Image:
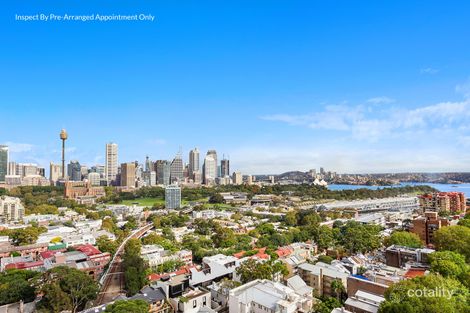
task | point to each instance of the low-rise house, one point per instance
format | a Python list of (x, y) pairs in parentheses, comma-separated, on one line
[(192, 300), (267, 296), (28, 250), (214, 268)]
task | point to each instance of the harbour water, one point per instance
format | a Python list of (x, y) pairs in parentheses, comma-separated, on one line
[(441, 187)]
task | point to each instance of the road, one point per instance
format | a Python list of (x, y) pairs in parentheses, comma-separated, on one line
[(112, 281)]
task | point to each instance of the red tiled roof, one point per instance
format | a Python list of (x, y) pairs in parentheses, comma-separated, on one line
[(283, 251), (88, 249), (47, 254)]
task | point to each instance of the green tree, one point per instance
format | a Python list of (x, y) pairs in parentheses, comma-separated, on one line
[(16, 285), (357, 237), (128, 306), (325, 259), (66, 288), (403, 296), (26, 236), (291, 218), (251, 269), (450, 264), (134, 267), (216, 198), (403, 238), (454, 238), (465, 221), (107, 245), (326, 305)]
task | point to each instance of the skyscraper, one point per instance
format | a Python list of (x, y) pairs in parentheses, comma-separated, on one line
[(12, 168), (3, 162), (176, 169), (237, 178), (111, 167), (55, 172), (209, 169), (213, 153), (128, 174), (74, 171), (162, 169), (224, 168), (193, 162)]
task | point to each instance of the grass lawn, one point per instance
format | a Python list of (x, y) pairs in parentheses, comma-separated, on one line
[(144, 201)]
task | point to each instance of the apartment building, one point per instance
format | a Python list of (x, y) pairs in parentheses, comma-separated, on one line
[(321, 275), (425, 226), (454, 202), (265, 296)]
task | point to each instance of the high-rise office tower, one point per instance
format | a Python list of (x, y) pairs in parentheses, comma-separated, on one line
[(94, 178), (111, 166), (74, 171), (11, 168), (42, 171), (224, 168), (3, 162), (128, 174), (100, 169), (162, 169), (237, 178), (26, 169), (213, 153), (209, 169), (193, 162), (176, 169)]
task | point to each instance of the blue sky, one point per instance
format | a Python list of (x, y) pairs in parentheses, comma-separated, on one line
[(364, 86)]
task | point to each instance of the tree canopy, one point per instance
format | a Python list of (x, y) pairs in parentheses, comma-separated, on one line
[(454, 238), (430, 293), (404, 238), (66, 288)]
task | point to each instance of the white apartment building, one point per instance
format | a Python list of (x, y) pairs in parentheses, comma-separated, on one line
[(212, 268), (265, 296), (111, 166), (94, 178), (11, 209)]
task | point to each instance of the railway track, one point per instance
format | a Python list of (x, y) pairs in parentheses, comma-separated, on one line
[(113, 281)]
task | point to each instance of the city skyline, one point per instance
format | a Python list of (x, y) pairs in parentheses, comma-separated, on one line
[(363, 88)]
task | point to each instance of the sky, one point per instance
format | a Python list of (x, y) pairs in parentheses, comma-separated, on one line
[(352, 86)]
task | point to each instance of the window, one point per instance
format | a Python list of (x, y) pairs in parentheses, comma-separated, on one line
[(194, 303), (204, 302)]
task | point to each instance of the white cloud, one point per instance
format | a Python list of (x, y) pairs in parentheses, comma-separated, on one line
[(15, 147), (372, 124), (429, 71), (381, 100), (268, 160)]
